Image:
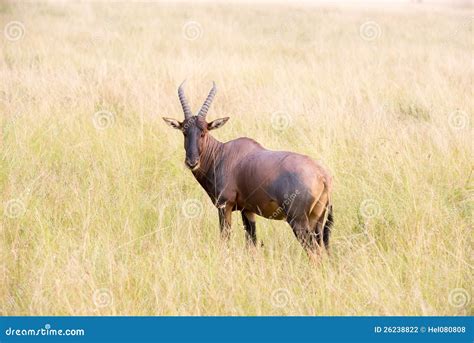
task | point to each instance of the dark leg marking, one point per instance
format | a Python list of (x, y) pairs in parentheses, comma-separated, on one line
[(250, 228), (303, 233), (327, 228)]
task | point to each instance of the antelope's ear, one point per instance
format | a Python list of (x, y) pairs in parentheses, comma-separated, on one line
[(173, 123), (215, 124)]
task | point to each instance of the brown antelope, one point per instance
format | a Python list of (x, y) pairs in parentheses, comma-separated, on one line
[(241, 175)]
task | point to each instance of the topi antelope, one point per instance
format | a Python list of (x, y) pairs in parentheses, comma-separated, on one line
[(241, 175)]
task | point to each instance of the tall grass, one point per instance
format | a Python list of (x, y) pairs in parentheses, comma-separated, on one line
[(100, 216)]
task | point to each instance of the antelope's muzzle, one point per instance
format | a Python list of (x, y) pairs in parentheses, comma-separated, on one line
[(192, 164)]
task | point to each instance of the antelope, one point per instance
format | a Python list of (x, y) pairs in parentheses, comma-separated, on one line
[(241, 175)]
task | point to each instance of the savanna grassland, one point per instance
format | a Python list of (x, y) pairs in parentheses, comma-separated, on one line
[(99, 215)]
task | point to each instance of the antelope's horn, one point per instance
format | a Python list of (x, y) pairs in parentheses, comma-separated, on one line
[(184, 101), (207, 103)]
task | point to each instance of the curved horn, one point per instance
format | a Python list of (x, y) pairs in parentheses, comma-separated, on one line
[(207, 103), (184, 101)]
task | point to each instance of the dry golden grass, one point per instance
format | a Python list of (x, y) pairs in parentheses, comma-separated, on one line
[(94, 220)]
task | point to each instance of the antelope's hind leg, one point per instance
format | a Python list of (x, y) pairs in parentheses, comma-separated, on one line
[(248, 219), (307, 237), (317, 219)]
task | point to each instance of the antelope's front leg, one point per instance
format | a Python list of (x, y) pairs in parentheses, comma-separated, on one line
[(248, 218), (225, 221)]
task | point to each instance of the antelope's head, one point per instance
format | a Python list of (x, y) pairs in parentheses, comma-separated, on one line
[(195, 127)]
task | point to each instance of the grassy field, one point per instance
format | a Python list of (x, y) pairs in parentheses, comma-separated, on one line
[(100, 216)]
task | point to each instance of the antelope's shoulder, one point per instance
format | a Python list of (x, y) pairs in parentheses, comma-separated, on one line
[(244, 141), (243, 145)]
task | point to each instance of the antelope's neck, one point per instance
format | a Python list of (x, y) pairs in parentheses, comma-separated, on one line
[(209, 159)]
